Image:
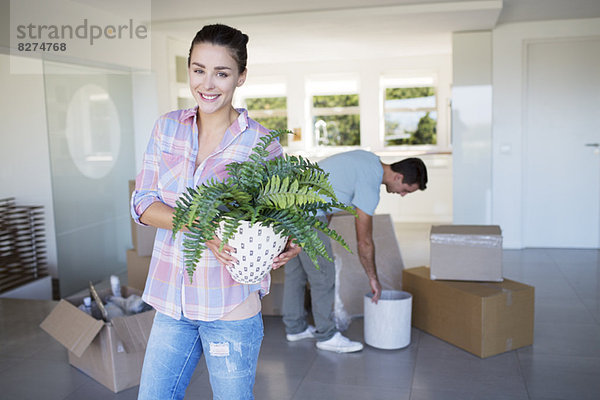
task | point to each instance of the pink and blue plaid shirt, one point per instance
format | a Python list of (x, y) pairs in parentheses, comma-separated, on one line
[(168, 169)]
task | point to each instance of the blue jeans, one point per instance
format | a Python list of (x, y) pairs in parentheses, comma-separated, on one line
[(230, 348)]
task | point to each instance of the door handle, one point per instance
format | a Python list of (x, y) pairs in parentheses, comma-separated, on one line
[(592, 144)]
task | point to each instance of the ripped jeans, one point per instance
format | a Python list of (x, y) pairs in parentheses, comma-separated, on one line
[(230, 349)]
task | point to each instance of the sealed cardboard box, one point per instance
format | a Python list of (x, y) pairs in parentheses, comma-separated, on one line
[(466, 252), (142, 236), (112, 353), (483, 318), (137, 269)]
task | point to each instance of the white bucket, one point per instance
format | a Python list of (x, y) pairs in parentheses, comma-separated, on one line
[(387, 323), (256, 246)]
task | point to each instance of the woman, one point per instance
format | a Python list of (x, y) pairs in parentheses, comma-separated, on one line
[(213, 315)]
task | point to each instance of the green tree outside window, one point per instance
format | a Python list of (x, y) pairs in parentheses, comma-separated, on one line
[(270, 112), (413, 119), (336, 120)]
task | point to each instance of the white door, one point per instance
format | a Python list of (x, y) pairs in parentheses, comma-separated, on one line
[(561, 154)]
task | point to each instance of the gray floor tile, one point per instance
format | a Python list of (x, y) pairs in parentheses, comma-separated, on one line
[(593, 306), (563, 363), (556, 377), (563, 256), (92, 390), (431, 394), (276, 386), (40, 379), (32, 345), (566, 340), (6, 363), (370, 367), (441, 367), (290, 359), (584, 279), (199, 388), (431, 346), (563, 313), (310, 390)]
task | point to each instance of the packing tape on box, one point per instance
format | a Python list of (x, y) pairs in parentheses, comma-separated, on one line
[(467, 240), (508, 296), (504, 290)]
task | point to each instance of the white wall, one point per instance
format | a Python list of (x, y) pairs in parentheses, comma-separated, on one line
[(509, 91), (25, 172), (368, 72), (432, 205), (472, 127)]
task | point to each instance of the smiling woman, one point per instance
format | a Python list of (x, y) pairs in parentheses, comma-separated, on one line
[(187, 149)]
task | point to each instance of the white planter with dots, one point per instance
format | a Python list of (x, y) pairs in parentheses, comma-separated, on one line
[(256, 247)]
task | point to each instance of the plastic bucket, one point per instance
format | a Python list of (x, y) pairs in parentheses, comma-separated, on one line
[(387, 323)]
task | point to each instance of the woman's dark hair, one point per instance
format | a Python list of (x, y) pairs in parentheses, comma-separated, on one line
[(226, 36), (413, 171)]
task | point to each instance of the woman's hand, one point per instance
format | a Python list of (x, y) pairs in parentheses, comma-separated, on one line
[(223, 257), (291, 250)]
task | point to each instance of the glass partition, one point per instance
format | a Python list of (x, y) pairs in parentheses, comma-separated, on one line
[(90, 128)]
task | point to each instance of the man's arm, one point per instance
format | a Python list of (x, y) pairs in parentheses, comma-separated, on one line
[(366, 250)]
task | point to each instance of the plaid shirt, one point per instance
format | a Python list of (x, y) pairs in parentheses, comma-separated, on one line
[(168, 169)]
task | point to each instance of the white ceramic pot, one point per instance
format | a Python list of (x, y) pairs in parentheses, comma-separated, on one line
[(256, 247)]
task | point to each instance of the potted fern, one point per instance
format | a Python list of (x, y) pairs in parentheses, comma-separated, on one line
[(282, 195)]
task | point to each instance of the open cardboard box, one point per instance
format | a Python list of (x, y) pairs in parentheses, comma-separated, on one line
[(112, 353), (137, 269)]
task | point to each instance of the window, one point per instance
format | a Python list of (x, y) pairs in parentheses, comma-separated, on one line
[(336, 120), (410, 114), (270, 112), (334, 110), (265, 98)]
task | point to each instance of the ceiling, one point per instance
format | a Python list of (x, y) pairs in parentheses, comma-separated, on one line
[(294, 31)]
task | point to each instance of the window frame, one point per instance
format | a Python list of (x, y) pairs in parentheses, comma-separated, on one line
[(338, 85), (263, 88), (412, 79)]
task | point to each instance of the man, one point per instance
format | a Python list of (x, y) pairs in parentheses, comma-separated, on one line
[(356, 177)]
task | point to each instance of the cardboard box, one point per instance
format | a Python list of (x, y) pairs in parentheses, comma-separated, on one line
[(484, 318), (137, 269), (142, 236), (466, 252), (351, 281), (278, 275), (272, 304), (112, 353)]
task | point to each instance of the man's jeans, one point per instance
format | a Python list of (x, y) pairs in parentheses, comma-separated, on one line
[(230, 348)]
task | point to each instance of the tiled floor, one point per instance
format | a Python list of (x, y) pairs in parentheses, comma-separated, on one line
[(564, 362)]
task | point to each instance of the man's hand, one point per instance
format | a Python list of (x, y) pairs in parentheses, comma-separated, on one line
[(291, 250), (375, 289)]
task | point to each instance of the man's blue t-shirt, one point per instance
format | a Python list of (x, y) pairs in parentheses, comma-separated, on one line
[(356, 178)]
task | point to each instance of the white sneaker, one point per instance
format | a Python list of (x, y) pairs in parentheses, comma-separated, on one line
[(308, 333), (340, 344)]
